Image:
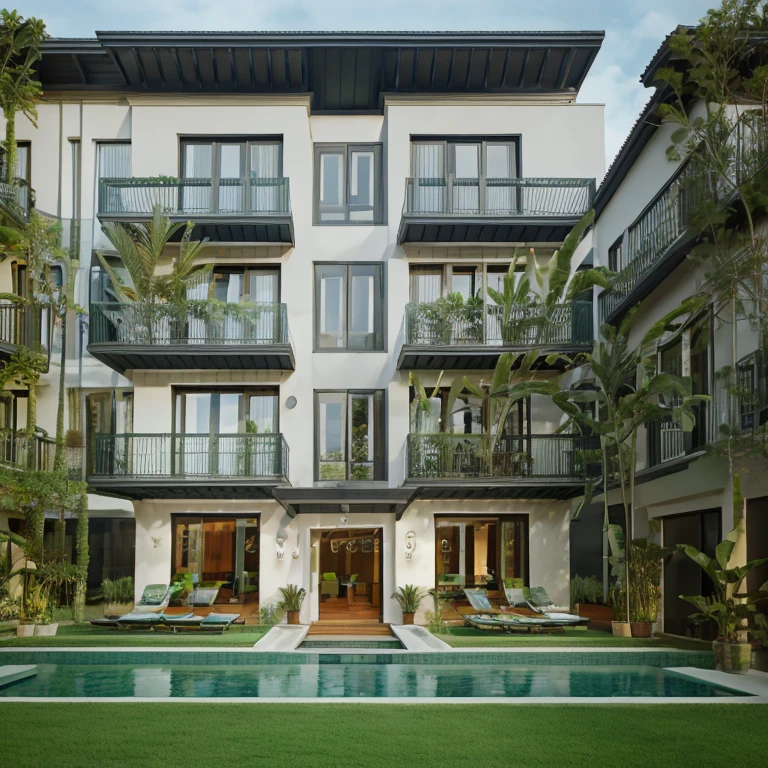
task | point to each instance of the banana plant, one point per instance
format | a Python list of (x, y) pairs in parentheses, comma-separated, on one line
[(621, 392), (729, 608)]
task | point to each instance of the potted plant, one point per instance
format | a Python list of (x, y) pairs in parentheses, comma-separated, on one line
[(728, 607), (409, 599), (617, 598), (293, 597), (759, 637), (38, 613), (645, 585), (618, 593)]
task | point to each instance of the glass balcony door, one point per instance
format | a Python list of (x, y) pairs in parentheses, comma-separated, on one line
[(230, 177), (210, 426)]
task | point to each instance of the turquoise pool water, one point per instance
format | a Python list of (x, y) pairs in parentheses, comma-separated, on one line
[(242, 675)]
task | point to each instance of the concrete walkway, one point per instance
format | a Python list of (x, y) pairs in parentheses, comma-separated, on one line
[(282, 638), (416, 638)]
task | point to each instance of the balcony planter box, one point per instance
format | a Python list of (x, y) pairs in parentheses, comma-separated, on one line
[(642, 628), (732, 657), (293, 617), (25, 630), (621, 629), (46, 630)]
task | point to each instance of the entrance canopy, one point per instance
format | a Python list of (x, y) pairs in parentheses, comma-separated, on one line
[(351, 501)]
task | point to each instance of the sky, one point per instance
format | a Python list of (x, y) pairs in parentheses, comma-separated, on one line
[(634, 29)]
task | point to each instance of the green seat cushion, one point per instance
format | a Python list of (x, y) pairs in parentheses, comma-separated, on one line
[(329, 577)]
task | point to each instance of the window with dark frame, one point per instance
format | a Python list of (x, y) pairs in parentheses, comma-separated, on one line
[(348, 184), (233, 174), (615, 260), (350, 432), (349, 307)]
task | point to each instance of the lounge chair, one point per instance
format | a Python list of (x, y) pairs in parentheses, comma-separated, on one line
[(139, 619), (522, 598), (203, 596), (218, 622), (154, 599)]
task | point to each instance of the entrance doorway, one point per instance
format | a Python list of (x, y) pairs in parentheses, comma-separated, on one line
[(350, 574)]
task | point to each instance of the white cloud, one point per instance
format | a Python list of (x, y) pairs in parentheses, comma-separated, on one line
[(654, 26)]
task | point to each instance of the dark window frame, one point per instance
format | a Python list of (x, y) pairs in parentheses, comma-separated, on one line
[(379, 189), (380, 463), (379, 298), (616, 255)]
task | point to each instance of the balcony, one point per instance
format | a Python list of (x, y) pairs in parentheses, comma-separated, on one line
[(255, 211), (26, 452), (198, 335), (440, 337), (529, 466), (492, 210), (20, 326), (659, 240), (200, 466)]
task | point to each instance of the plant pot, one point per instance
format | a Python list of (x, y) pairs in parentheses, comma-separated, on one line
[(46, 630), (732, 657), (407, 618), (293, 617), (621, 629), (641, 628), (25, 630), (760, 659)]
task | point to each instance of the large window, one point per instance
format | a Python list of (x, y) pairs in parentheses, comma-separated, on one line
[(218, 553), (480, 552), (348, 180), (465, 175), (232, 175), (349, 435), (348, 307)]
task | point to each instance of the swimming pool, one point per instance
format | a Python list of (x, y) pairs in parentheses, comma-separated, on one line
[(168, 674)]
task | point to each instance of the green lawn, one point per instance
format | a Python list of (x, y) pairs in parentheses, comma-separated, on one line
[(85, 636), (467, 637), (365, 736)]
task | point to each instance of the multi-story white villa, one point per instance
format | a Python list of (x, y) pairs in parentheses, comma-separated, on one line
[(344, 183)]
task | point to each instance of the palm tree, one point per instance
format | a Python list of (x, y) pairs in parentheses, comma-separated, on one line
[(20, 41), (141, 248)]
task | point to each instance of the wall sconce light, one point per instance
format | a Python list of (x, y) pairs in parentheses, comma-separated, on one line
[(410, 544), (295, 552), (280, 539)]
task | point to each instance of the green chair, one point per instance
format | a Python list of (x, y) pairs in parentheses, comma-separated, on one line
[(154, 599), (329, 586)]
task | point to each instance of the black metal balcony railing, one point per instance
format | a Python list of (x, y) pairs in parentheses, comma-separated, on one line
[(246, 455), (194, 197), (18, 194), (26, 452), (194, 323), (439, 324), (669, 217), (456, 456), (75, 463), (20, 325), (508, 197)]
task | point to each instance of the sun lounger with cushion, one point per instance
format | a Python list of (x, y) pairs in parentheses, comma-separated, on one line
[(517, 598)]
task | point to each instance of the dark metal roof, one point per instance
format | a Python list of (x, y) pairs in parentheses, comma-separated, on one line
[(344, 71)]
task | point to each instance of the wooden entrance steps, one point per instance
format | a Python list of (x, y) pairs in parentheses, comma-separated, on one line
[(357, 628)]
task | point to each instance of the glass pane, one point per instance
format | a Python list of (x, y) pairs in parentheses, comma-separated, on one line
[(467, 161), (197, 414), (362, 437), (189, 549), (513, 547), (263, 287), (332, 186), (262, 414), (230, 177), (361, 186), (332, 435), (265, 164), (229, 412), (228, 287), (332, 307), (198, 164), (426, 287), (499, 161), (247, 559), (114, 162), (463, 283), (449, 556)]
